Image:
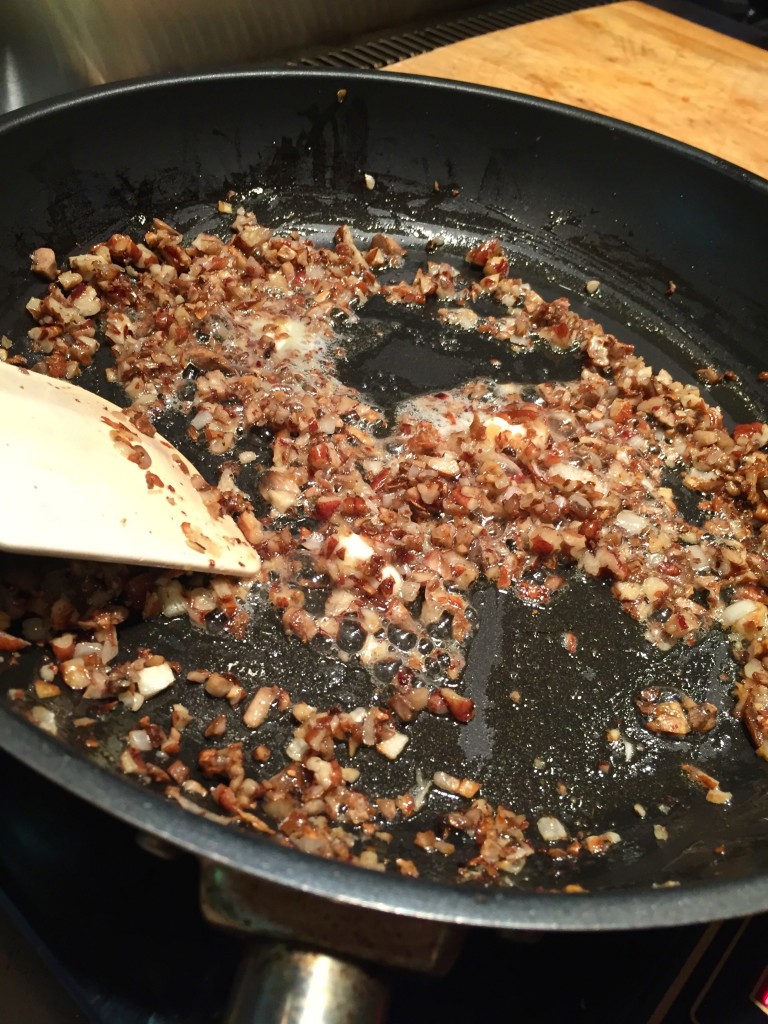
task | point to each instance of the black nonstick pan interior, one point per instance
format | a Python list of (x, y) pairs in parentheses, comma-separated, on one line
[(573, 197)]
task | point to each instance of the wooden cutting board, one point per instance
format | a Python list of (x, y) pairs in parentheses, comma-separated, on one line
[(633, 62)]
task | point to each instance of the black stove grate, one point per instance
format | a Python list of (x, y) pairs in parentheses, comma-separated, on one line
[(743, 19), (382, 49)]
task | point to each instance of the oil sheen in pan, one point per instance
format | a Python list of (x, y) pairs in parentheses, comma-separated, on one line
[(548, 752)]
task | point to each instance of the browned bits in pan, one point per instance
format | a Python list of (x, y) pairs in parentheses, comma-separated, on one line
[(373, 536)]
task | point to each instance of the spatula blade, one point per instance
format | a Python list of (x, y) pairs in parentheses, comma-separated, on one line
[(80, 480)]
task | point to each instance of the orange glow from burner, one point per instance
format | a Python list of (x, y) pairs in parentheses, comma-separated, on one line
[(759, 994)]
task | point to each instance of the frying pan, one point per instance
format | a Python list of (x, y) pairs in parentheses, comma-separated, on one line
[(573, 196)]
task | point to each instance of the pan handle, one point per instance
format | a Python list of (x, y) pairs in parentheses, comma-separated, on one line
[(283, 984)]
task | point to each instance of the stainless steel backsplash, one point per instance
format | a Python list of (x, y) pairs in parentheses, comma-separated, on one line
[(49, 47)]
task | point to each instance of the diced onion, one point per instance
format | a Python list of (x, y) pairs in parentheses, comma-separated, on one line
[(154, 679), (551, 829), (139, 738), (393, 747)]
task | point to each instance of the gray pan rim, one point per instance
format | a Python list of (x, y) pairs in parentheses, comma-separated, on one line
[(78, 97), (507, 908)]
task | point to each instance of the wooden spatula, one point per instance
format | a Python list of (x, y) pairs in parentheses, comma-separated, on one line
[(77, 479)]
